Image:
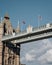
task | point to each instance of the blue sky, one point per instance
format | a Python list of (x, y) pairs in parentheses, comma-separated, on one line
[(28, 11)]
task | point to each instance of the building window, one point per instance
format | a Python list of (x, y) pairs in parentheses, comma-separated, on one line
[(5, 28), (9, 61), (13, 59), (9, 51), (5, 61)]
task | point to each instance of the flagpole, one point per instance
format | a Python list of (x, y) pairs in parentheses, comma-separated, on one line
[(38, 22), (24, 23), (39, 19)]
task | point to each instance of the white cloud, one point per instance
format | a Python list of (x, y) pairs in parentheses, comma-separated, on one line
[(47, 57), (44, 45), (29, 57), (32, 54), (22, 59), (47, 43)]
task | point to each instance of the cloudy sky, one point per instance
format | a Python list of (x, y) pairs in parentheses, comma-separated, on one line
[(38, 52), (34, 53)]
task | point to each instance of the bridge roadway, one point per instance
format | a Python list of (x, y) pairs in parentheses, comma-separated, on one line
[(36, 34)]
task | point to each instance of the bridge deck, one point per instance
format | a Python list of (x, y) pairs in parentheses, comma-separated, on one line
[(37, 33)]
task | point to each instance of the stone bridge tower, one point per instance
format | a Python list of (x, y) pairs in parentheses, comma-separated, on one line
[(9, 52)]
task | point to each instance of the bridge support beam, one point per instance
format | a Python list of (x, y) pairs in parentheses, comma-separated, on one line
[(18, 54)]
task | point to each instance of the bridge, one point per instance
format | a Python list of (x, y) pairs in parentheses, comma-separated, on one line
[(29, 35), (36, 34)]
